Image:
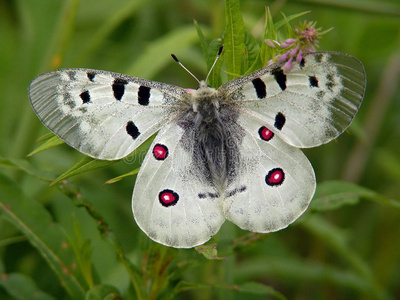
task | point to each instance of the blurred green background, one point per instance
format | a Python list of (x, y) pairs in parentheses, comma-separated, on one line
[(350, 250)]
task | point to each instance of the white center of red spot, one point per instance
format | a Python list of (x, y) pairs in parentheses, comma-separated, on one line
[(276, 176), (168, 197)]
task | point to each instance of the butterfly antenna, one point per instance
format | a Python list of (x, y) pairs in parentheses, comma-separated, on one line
[(176, 59), (215, 61)]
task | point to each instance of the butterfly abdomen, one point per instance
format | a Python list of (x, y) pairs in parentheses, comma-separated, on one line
[(215, 138)]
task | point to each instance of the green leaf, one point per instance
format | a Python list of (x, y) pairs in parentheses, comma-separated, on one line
[(89, 164), (267, 53), (336, 241), (50, 143), (108, 235), (184, 286), (203, 40), (45, 137), (85, 165), (103, 292), (209, 251), (24, 165), (286, 20), (214, 79), (303, 272), (83, 252), (118, 178), (21, 287), (332, 195), (252, 53), (234, 38), (47, 237), (259, 289)]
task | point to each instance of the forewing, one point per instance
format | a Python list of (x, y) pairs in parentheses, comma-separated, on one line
[(171, 202), (274, 183), (309, 105), (102, 114)]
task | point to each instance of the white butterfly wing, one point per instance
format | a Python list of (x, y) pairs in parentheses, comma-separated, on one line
[(311, 104), (102, 114), (274, 184), (171, 203)]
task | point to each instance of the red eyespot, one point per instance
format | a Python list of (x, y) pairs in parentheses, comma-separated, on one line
[(160, 152), (275, 177), (168, 197), (265, 134)]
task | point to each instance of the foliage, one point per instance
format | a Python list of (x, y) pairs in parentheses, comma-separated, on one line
[(77, 239)]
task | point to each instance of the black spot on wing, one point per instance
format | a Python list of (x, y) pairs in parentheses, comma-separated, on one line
[(208, 195), (280, 78), (233, 192), (91, 75), (259, 86), (119, 88), (280, 120), (302, 63), (132, 130), (313, 81), (144, 95), (85, 96), (213, 195)]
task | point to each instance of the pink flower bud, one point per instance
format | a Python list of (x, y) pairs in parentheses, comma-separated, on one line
[(299, 56), (288, 65), (293, 52), (288, 43), (282, 58)]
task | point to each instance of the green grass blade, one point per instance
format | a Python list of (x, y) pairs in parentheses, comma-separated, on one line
[(47, 237), (203, 40), (25, 166), (157, 54), (215, 77), (252, 54), (332, 195), (22, 287), (85, 165), (103, 292), (234, 39), (50, 143), (335, 240), (108, 235), (266, 53), (124, 12), (290, 18), (118, 178), (256, 288)]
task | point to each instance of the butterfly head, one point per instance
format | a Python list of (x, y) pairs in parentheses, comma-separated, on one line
[(204, 96)]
